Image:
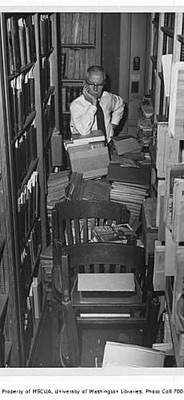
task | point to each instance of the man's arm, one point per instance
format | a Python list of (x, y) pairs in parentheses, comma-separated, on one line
[(82, 118), (118, 106)]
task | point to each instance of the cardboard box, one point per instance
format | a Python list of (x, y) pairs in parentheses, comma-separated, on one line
[(90, 162), (127, 355)]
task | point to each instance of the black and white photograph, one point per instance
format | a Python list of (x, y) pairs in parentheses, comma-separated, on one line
[(92, 199)]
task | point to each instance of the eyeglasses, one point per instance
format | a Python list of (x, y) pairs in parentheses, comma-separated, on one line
[(95, 86)]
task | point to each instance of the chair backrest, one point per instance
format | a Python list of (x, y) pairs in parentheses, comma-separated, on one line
[(102, 258), (73, 221)]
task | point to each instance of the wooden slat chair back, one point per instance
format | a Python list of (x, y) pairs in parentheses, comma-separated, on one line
[(73, 221)]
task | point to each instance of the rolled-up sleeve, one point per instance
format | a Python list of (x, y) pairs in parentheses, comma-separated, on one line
[(118, 106)]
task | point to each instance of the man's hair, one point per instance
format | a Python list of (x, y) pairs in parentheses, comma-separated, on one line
[(95, 68)]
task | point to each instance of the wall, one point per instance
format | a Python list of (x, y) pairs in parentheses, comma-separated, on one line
[(132, 79), (111, 49)]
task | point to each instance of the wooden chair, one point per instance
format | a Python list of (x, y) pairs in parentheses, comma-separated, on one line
[(72, 221), (67, 219), (97, 258)]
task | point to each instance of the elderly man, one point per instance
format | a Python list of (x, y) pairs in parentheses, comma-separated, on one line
[(96, 108)]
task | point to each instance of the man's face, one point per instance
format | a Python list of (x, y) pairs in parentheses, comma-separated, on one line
[(95, 83)]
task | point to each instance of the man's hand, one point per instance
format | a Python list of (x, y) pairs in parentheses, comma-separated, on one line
[(88, 96)]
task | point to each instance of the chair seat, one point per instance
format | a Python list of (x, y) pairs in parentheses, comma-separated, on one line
[(111, 300)]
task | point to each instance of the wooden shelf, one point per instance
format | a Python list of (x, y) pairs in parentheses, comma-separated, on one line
[(32, 168), (22, 70), (79, 45), (37, 330), (155, 22), (48, 53), (68, 81), (175, 338), (28, 121), (154, 61), (51, 130), (168, 31), (47, 96), (180, 38)]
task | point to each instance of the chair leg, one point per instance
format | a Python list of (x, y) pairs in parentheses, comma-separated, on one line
[(72, 335)]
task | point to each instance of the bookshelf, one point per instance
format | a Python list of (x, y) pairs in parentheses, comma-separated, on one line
[(80, 47), (167, 90), (29, 116)]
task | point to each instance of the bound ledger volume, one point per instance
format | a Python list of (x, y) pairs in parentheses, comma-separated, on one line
[(107, 285)]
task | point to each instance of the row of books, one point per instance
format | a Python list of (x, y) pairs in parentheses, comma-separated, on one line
[(129, 185), (48, 118), (34, 305), (28, 207), (45, 75), (173, 202), (57, 184), (69, 93), (29, 257), (75, 62), (79, 188), (130, 194), (25, 151), (78, 28), (45, 33), (145, 122), (20, 42), (22, 99), (126, 144), (48, 161)]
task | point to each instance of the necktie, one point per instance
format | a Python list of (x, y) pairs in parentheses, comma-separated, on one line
[(100, 120)]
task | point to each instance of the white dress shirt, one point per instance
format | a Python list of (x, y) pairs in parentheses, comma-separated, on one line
[(83, 114)]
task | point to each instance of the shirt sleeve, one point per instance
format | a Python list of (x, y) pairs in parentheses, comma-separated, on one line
[(118, 106), (82, 118)]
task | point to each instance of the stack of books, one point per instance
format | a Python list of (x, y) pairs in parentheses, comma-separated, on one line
[(130, 185), (130, 194), (79, 188), (126, 144), (145, 123), (57, 184)]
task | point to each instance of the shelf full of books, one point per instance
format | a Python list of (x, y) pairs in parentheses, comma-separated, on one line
[(80, 44), (168, 249), (30, 97)]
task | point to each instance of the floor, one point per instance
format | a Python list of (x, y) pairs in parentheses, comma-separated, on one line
[(93, 344)]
